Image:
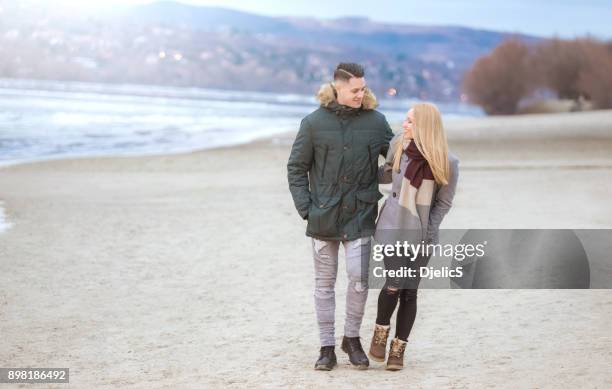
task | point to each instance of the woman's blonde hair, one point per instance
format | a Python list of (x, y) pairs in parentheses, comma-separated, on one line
[(430, 139)]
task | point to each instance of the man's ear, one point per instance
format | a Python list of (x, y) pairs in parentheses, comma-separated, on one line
[(338, 83)]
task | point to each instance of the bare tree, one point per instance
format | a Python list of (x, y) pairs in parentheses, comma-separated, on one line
[(558, 63), (595, 77), (498, 81)]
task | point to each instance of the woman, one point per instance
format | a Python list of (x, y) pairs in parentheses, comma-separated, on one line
[(424, 176)]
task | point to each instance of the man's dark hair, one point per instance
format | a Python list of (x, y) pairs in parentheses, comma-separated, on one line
[(345, 70)]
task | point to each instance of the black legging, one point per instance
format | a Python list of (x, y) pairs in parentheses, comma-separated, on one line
[(403, 289), (387, 301)]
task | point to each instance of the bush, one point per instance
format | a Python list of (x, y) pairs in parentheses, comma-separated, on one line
[(498, 81), (595, 78), (558, 64), (579, 70)]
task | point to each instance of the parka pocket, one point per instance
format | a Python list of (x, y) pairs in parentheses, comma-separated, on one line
[(369, 168), (369, 195), (324, 160), (372, 163), (323, 155), (323, 216), (367, 208)]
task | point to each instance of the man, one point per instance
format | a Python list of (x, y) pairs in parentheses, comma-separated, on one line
[(332, 172)]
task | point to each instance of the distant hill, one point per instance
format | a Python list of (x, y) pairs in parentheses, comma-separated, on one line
[(169, 43)]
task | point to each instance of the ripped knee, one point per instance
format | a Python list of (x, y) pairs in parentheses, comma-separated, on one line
[(360, 286), (320, 248), (325, 283), (324, 288), (324, 294), (391, 290)]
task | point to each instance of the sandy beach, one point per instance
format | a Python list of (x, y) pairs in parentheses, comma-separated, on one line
[(193, 270)]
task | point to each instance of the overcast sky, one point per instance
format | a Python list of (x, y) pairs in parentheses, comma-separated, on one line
[(565, 18)]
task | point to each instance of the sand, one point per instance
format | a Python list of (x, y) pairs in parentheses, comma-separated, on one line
[(193, 270)]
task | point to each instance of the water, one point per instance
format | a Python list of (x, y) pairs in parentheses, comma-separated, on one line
[(51, 119)]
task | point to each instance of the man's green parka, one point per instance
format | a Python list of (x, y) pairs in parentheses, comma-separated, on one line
[(332, 169)]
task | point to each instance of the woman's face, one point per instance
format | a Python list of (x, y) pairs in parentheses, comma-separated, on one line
[(407, 124)]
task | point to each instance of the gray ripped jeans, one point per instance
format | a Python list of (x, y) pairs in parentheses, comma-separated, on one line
[(326, 268)]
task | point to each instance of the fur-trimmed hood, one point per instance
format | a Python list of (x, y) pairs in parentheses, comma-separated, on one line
[(327, 94)]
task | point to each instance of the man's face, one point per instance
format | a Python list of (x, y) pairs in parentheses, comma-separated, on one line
[(351, 92)]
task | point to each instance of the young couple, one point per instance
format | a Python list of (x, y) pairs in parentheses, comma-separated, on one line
[(333, 177)]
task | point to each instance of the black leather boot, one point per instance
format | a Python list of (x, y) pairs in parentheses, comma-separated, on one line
[(352, 346), (327, 358)]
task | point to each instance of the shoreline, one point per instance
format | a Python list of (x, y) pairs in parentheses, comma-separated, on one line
[(487, 129)]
